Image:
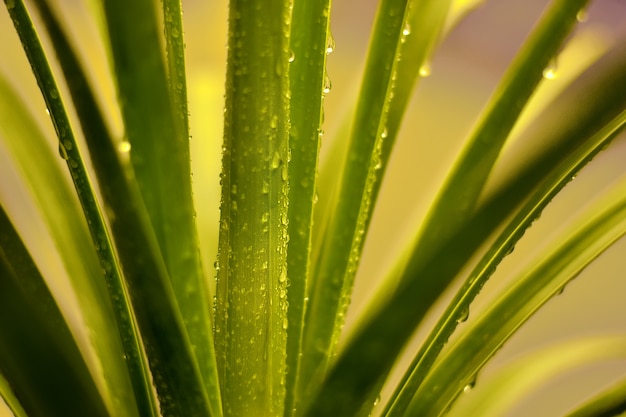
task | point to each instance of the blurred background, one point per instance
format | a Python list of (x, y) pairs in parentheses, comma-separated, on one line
[(464, 72)]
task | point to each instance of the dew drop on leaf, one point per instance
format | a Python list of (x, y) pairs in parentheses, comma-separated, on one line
[(276, 160), (292, 56), (124, 147), (550, 72), (463, 316), (62, 151), (327, 84), (330, 44), (470, 385), (425, 70)]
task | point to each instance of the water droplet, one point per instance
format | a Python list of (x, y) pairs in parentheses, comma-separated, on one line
[(276, 160), (292, 56), (327, 84), (233, 189), (175, 33), (330, 44), (379, 164), (509, 250), (407, 30), (265, 188), (265, 217), (384, 133), (463, 316), (124, 147), (54, 94), (470, 385), (285, 323), (550, 72), (62, 151), (283, 275), (582, 15), (425, 70), (68, 145), (560, 290)]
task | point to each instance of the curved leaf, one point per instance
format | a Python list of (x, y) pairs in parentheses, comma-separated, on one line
[(60, 212), (609, 402), (174, 370), (605, 223), (38, 355), (394, 60), (596, 85), (527, 374)]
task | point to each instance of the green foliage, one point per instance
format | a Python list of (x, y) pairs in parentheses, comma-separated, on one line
[(267, 338)]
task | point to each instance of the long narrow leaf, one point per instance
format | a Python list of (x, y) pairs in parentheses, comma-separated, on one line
[(68, 149), (381, 338), (527, 374), (458, 196), (309, 39), (155, 119), (38, 355), (251, 311), (609, 402), (53, 195), (596, 85), (572, 253), (10, 400), (174, 370), (328, 290)]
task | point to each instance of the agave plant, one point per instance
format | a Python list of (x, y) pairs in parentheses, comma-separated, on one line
[(109, 304)]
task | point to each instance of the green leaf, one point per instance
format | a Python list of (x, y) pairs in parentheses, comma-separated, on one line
[(251, 307), (60, 212), (383, 336), (527, 374), (610, 402), (601, 225), (174, 371), (332, 279), (157, 130), (459, 194), (8, 396), (38, 355), (598, 84), (68, 149), (307, 74)]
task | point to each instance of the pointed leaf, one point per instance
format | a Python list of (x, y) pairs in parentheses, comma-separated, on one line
[(38, 355)]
